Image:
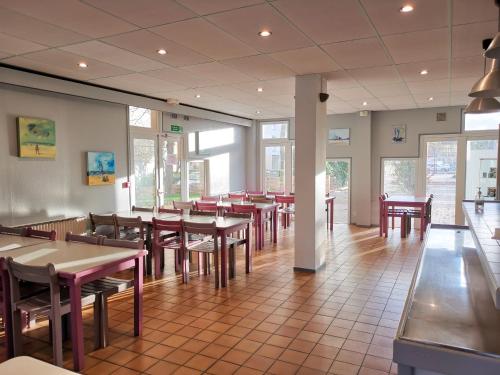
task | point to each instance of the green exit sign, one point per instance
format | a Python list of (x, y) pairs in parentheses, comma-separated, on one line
[(176, 128)]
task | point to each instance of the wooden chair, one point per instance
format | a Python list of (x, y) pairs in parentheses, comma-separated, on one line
[(231, 199), (129, 228), (105, 287), (286, 209), (393, 213), (176, 211), (35, 233), (234, 242), (207, 206), (171, 242), (241, 196), (184, 206), (415, 214), (143, 209), (274, 193), (255, 192), (14, 231), (92, 240), (53, 303), (259, 199), (208, 245), (202, 213), (103, 225), (248, 209), (210, 198)]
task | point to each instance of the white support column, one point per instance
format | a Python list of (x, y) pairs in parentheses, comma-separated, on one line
[(310, 157)]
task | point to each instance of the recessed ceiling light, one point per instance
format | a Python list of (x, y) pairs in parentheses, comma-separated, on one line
[(82, 65), (365, 103), (162, 51), (431, 98), (265, 33), (424, 72), (260, 89), (198, 96), (258, 112), (406, 8)]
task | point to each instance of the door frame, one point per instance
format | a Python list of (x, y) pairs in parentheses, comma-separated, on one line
[(349, 184), (287, 144)]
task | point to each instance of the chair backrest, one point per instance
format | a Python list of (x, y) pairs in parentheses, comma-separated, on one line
[(255, 192), (183, 205), (238, 215), (143, 209), (200, 228), (36, 274), (165, 225), (176, 211), (261, 200), (275, 193), (206, 206), (93, 240), (256, 196), (35, 233), (237, 195), (210, 198), (13, 231), (103, 225), (229, 199), (124, 243), (130, 222), (244, 208), (285, 199), (202, 213)]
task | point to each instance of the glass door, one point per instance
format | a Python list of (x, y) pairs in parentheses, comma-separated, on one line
[(338, 181), (144, 178), (196, 179), (170, 170), (440, 158), (274, 168), (481, 167)]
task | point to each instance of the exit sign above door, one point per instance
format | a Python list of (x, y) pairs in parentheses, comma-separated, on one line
[(176, 129)]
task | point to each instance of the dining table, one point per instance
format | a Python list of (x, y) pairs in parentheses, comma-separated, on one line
[(76, 264), (413, 201)]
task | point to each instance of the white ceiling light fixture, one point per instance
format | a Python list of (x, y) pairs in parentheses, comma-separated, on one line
[(365, 104), (260, 89), (265, 33), (198, 96), (162, 51), (430, 98), (424, 72), (257, 112), (82, 65), (406, 8)]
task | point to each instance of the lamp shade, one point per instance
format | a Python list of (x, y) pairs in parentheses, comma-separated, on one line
[(483, 105), (493, 51), (489, 85)]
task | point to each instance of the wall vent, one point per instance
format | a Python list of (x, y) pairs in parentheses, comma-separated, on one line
[(441, 116), (186, 118), (173, 115)]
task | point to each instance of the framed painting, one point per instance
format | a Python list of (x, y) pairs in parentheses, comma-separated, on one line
[(339, 136), (36, 138), (101, 168), (399, 134)]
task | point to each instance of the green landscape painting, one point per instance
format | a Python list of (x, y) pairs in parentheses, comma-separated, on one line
[(36, 138)]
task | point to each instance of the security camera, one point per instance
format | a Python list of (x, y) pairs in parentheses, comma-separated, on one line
[(323, 97)]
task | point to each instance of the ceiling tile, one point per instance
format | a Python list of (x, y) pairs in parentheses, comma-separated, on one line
[(229, 92), (375, 76), (214, 6), (327, 21), (472, 66), (245, 24), (437, 69), (437, 99), (356, 93), (467, 39), (205, 38), (147, 44), (398, 101), (466, 11), (288, 99), (338, 106), (71, 15), (215, 71), (352, 54), (66, 61), (36, 31), (16, 46), (260, 67), (427, 14), (180, 77), (4, 55), (306, 60), (463, 84), (281, 86), (388, 90), (372, 104), (137, 82), (113, 55), (418, 45), (340, 80), (429, 88), (144, 13)]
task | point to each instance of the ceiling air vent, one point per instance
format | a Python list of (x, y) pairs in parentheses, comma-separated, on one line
[(173, 115), (186, 118), (441, 116)]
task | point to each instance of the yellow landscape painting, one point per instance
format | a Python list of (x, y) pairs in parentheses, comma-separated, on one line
[(36, 138)]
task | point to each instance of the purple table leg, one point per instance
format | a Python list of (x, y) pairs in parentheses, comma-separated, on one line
[(77, 323), (138, 281)]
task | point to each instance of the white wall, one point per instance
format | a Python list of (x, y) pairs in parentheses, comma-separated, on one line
[(40, 189)]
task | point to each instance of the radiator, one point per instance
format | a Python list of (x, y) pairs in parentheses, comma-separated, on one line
[(76, 225)]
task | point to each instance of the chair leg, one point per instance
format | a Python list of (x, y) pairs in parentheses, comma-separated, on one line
[(57, 340), (103, 321), (185, 265), (17, 336), (97, 323), (231, 262), (216, 266)]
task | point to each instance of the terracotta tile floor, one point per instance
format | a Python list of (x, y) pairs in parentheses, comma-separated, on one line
[(340, 320)]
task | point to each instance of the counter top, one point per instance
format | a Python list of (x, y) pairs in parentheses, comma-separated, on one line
[(482, 227), (449, 324)]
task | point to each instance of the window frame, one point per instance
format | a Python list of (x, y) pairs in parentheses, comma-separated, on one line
[(286, 122), (401, 158)]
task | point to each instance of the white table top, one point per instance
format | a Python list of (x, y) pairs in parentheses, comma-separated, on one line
[(68, 257), (9, 242), (407, 198), (28, 365)]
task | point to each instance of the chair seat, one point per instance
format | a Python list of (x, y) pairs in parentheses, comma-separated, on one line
[(107, 286), (232, 241), (202, 246), (287, 210), (130, 234), (172, 243), (40, 303)]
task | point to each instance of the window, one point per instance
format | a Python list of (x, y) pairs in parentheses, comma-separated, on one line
[(481, 167), (483, 121), (399, 176), (144, 161), (338, 177), (216, 138), (274, 164), (274, 130), (140, 117)]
